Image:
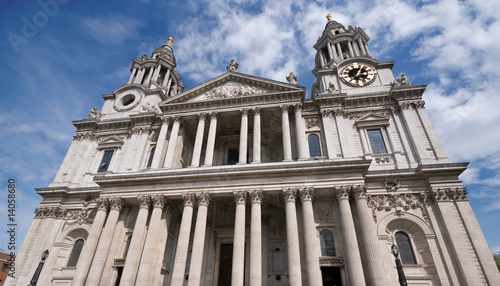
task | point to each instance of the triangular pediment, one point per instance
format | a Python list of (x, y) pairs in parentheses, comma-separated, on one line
[(110, 142), (372, 119), (232, 85)]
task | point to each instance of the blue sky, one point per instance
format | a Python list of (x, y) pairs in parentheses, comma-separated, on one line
[(59, 57)]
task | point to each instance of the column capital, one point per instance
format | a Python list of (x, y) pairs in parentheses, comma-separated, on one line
[(144, 201), (284, 108), (203, 198), (166, 119), (256, 196), (240, 197), (103, 204), (306, 194), (338, 112), (177, 118), (289, 194), (116, 203), (297, 107), (244, 111), (158, 201), (256, 110), (188, 199), (326, 112), (447, 194), (360, 192), (214, 114), (202, 116), (342, 192)]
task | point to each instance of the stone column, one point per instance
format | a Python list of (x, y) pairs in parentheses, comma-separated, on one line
[(327, 127), (313, 248), (87, 254), (199, 240), (238, 271), (330, 52), (160, 144), (101, 254), (138, 78), (256, 239), (292, 238), (147, 269), (322, 59), (334, 50), (183, 241), (285, 130), (157, 72), (209, 154), (369, 238), (198, 142), (243, 136), (137, 243), (132, 76), (366, 49), (256, 135), (166, 80), (150, 74), (341, 55), (349, 46), (352, 257), (301, 133), (172, 143), (361, 47)]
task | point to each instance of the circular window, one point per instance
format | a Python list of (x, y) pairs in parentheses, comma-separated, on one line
[(128, 99)]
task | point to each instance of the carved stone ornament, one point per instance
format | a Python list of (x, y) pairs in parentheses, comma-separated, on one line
[(257, 110), (116, 203), (326, 112), (292, 79), (141, 130), (306, 194), (403, 80), (233, 89), (70, 216), (188, 199), (158, 201), (331, 88), (88, 135), (399, 202), (405, 105), (147, 107), (94, 113), (232, 67), (447, 194), (358, 114), (240, 197), (311, 122), (144, 201), (342, 192), (385, 159), (391, 186), (323, 215)]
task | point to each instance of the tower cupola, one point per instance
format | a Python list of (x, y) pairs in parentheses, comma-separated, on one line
[(158, 72)]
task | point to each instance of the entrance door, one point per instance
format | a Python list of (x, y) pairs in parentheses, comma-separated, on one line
[(225, 264), (331, 276)]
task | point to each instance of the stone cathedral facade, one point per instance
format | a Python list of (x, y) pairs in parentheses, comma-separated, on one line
[(243, 180)]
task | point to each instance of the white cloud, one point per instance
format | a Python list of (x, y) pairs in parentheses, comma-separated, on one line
[(112, 29)]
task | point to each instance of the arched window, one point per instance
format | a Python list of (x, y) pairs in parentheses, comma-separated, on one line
[(405, 249), (75, 253), (327, 243), (314, 147)]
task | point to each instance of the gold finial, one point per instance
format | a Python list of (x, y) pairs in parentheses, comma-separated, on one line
[(329, 17), (170, 40)]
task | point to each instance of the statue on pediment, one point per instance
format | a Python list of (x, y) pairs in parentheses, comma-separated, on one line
[(292, 79), (94, 113), (403, 80), (232, 67)]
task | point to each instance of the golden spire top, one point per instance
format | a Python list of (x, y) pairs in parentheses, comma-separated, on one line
[(170, 40), (329, 17)]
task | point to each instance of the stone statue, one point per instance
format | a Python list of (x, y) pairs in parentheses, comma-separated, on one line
[(403, 80), (232, 67), (94, 113), (147, 107), (174, 90), (292, 79), (331, 88)]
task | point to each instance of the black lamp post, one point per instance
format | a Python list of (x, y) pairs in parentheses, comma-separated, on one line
[(399, 266), (34, 280)]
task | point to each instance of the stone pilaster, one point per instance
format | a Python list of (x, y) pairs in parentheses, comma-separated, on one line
[(172, 142), (199, 240), (183, 244), (160, 144), (310, 238), (256, 239), (301, 133), (292, 238), (209, 154)]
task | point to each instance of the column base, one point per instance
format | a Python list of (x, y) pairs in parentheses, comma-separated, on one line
[(304, 159), (241, 163), (255, 162), (287, 160), (194, 166)]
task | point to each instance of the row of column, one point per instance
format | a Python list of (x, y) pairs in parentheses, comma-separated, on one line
[(153, 73), (176, 121), (143, 258), (354, 50)]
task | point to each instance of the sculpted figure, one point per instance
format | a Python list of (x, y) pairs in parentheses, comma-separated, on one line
[(232, 67), (403, 80), (94, 113), (292, 79)]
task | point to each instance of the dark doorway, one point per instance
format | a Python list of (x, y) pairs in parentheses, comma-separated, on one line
[(225, 264), (331, 276), (233, 156)]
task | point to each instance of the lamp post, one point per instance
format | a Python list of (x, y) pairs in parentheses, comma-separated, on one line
[(34, 280), (399, 266)]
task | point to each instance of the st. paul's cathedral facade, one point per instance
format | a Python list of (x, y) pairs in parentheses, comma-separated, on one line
[(243, 180)]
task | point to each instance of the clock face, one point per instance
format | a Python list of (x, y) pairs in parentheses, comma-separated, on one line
[(357, 74)]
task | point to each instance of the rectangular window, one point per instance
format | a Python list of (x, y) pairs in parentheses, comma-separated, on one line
[(376, 141), (151, 155), (106, 159)]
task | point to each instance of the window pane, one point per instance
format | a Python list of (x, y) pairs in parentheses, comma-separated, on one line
[(314, 147), (327, 243), (106, 159), (405, 250), (151, 155), (129, 239), (75, 253), (376, 141)]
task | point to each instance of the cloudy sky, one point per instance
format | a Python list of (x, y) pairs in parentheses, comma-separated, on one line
[(58, 58)]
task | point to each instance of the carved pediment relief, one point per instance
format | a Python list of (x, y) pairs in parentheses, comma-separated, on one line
[(232, 89)]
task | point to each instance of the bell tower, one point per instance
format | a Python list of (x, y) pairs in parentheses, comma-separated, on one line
[(343, 62)]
